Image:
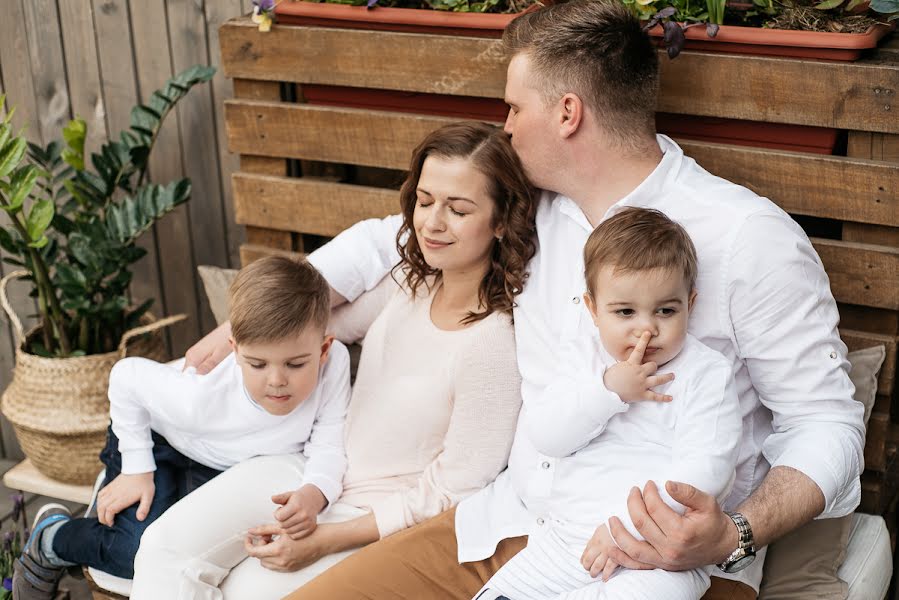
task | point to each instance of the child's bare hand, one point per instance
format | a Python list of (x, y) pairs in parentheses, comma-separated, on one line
[(596, 555), (633, 380), (299, 510), (124, 491)]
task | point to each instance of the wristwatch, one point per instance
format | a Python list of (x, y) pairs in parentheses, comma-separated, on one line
[(744, 555)]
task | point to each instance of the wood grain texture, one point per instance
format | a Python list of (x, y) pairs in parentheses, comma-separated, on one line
[(861, 274), (251, 252), (307, 206), (847, 96), (859, 340), (48, 68)]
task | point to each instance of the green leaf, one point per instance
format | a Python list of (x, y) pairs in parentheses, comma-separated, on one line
[(82, 248), (11, 155), (829, 4), (74, 134), (7, 243), (38, 219), (40, 243), (21, 183), (885, 7)]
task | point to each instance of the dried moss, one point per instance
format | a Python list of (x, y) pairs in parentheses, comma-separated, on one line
[(806, 18)]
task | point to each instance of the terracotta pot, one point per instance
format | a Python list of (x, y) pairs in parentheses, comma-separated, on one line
[(405, 20), (783, 42)]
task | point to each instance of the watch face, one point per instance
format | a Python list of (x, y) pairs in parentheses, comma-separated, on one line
[(740, 564)]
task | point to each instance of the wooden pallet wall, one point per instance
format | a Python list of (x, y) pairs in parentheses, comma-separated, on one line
[(309, 171)]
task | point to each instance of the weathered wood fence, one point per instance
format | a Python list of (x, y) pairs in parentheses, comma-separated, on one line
[(95, 59)]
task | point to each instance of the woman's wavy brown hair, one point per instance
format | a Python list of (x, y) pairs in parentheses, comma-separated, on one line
[(490, 151)]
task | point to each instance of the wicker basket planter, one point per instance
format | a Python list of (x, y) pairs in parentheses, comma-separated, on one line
[(59, 406)]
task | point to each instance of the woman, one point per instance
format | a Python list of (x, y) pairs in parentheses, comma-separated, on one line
[(436, 397)]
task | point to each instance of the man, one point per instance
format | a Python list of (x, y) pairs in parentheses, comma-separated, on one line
[(581, 86)]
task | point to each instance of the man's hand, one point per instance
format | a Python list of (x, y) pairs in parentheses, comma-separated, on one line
[(278, 552), (597, 555), (632, 380), (704, 535), (299, 510), (209, 351), (124, 491)]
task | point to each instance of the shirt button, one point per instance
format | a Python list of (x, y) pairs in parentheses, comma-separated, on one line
[(576, 299), (833, 355), (540, 521), (545, 464)]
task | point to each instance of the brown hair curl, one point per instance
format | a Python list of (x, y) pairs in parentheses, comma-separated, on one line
[(490, 151)]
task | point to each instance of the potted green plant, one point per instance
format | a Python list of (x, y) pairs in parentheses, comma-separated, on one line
[(72, 228)]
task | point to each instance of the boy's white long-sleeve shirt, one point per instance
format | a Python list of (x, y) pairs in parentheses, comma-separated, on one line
[(213, 420)]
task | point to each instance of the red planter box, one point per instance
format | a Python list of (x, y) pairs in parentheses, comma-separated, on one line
[(783, 42), (405, 20), (799, 138)]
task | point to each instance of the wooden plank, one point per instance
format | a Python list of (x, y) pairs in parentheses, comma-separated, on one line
[(257, 90), (154, 66), (831, 187), (864, 318), (864, 274), (871, 234), (196, 118), (17, 76), (776, 90), (270, 238), (822, 186), (222, 89), (307, 206), (251, 252), (876, 442), (83, 70), (859, 340), (48, 67), (118, 78), (26, 477)]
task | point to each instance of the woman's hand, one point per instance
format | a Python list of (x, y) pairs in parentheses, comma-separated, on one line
[(209, 351), (282, 553)]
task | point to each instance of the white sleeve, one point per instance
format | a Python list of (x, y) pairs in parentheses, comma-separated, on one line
[(349, 322), (574, 407), (136, 385), (706, 439), (486, 401), (785, 330), (358, 258), (325, 456)]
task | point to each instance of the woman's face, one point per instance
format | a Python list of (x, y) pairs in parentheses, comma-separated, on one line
[(453, 217)]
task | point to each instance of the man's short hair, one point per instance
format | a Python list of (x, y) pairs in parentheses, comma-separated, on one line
[(639, 239), (277, 297), (597, 50)]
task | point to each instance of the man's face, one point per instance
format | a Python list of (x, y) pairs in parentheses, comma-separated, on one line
[(530, 123)]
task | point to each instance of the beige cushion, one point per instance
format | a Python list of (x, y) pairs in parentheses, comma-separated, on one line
[(216, 281), (803, 564)]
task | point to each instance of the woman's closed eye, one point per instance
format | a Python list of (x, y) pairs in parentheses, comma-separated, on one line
[(296, 365)]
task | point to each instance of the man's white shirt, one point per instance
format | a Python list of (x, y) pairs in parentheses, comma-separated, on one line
[(764, 302)]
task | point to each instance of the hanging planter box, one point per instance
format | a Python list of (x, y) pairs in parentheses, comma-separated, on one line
[(797, 138), (783, 42), (404, 20)]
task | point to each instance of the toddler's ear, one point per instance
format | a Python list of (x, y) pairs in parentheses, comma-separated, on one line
[(691, 300), (232, 343), (591, 306), (326, 347)]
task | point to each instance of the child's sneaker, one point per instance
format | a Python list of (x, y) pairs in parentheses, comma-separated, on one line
[(34, 578)]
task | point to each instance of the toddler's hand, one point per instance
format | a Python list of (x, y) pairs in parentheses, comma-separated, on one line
[(596, 555), (124, 491), (632, 380), (299, 510)]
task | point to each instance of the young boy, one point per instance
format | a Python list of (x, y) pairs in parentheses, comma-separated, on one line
[(283, 390), (636, 425)]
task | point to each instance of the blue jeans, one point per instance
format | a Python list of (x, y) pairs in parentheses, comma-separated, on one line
[(112, 549)]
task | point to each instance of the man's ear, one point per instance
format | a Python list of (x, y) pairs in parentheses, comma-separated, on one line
[(571, 113), (591, 306), (232, 343), (326, 347), (691, 300)]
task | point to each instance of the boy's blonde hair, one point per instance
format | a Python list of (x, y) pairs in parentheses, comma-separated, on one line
[(277, 297), (639, 239)]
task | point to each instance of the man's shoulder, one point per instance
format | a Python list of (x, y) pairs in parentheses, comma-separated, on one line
[(703, 358)]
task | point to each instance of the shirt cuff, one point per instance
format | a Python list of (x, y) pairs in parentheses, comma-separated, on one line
[(390, 515), (841, 497), (330, 488), (137, 461)]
